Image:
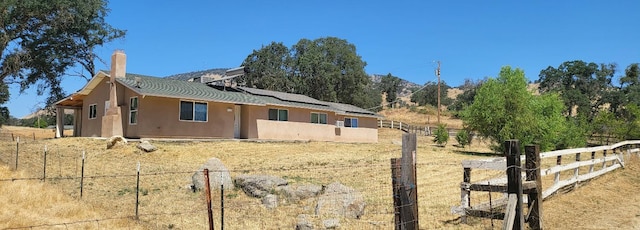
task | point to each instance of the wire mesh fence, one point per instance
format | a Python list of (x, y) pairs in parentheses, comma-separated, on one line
[(166, 199)]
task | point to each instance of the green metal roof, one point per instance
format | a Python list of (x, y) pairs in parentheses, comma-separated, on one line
[(163, 87)]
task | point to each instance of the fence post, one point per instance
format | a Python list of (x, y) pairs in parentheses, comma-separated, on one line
[(44, 167), (137, 188), (221, 202), (82, 174), (556, 178), (207, 190), (17, 150), (396, 185), (532, 153), (593, 156), (514, 177), (410, 188), (576, 171), (604, 162), (465, 194)]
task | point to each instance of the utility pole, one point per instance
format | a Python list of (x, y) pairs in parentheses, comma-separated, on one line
[(438, 73)]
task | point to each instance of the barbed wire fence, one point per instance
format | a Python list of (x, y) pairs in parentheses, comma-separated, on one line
[(167, 201)]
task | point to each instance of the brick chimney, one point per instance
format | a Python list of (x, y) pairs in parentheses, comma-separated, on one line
[(118, 64)]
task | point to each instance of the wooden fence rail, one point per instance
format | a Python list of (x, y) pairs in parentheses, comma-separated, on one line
[(425, 130), (569, 169)]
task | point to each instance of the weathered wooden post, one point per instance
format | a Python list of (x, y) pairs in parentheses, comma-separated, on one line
[(593, 156), (396, 184), (207, 190), (465, 193), (17, 150), (532, 153), (410, 209), (137, 189), (576, 171), (221, 202), (604, 157), (44, 167), (514, 177), (82, 175), (404, 182)]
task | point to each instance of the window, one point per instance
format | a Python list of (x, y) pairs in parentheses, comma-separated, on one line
[(351, 122), (278, 114), (92, 111), (193, 111), (133, 110), (319, 118)]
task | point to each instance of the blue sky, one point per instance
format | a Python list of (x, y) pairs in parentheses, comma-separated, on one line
[(472, 39)]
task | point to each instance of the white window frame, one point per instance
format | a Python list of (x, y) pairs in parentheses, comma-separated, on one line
[(278, 118), (326, 118), (351, 122), (193, 107), (93, 110), (133, 110)]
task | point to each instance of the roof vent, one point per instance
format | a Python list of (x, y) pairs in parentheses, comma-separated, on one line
[(138, 81)]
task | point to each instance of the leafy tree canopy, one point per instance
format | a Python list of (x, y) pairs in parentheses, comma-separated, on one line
[(467, 96), (429, 94), (41, 40), (580, 85), (390, 85), (504, 109), (327, 69)]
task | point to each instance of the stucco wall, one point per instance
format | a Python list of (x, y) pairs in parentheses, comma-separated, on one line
[(100, 94), (287, 130), (159, 117)]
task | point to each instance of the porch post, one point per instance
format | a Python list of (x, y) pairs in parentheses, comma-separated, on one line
[(77, 122), (59, 122)]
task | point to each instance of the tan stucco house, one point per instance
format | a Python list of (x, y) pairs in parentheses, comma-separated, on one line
[(137, 106)]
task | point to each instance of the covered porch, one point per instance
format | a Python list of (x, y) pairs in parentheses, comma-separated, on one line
[(73, 102)]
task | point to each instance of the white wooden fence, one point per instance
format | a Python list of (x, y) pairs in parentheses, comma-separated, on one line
[(588, 163)]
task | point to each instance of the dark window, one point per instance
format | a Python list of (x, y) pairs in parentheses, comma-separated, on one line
[(351, 122), (186, 110), (92, 111), (278, 114), (193, 111), (319, 118), (133, 110)]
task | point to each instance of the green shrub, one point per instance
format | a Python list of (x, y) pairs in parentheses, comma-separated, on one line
[(42, 124), (441, 135), (464, 137)]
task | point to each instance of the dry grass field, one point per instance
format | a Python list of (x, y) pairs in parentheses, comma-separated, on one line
[(108, 201)]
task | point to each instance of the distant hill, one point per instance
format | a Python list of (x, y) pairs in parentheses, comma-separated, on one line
[(405, 86)]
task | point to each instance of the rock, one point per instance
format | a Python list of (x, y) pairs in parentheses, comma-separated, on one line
[(218, 175), (340, 200), (259, 185), (270, 201), (146, 146), (331, 223), (300, 192), (304, 223), (116, 141)]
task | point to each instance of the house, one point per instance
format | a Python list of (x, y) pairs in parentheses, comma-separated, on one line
[(137, 106)]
